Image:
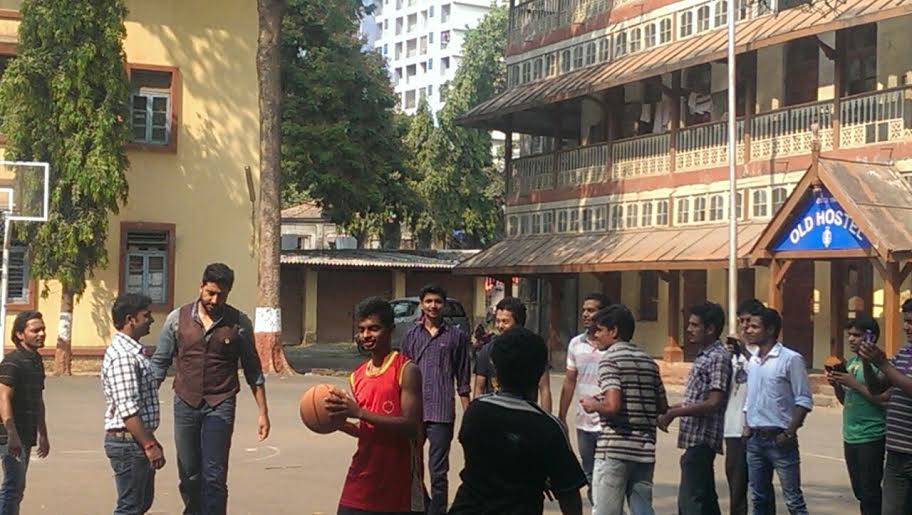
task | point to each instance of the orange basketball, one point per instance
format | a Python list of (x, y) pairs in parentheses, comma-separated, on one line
[(314, 413)]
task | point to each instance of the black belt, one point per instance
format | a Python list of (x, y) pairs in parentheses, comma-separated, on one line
[(767, 432)]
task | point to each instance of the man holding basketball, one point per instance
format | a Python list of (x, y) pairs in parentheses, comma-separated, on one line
[(208, 338), (385, 473)]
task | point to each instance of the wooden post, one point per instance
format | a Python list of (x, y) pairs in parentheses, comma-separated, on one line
[(777, 271), (558, 145), (672, 353), (675, 119), (554, 313), (838, 86), (838, 307), (508, 160), (892, 280), (507, 281), (750, 103)]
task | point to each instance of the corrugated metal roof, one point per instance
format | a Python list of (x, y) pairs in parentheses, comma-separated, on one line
[(753, 34), (306, 210), (676, 248), (372, 259)]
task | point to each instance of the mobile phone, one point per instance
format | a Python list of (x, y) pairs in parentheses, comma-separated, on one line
[(734, 345)]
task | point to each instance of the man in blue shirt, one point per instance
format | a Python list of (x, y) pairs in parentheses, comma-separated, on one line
[(778, 400)]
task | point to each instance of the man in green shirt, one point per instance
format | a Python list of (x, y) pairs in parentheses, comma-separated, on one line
[(863, 422)]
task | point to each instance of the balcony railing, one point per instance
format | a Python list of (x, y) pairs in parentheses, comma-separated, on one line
[(870, 118), (538, 17)]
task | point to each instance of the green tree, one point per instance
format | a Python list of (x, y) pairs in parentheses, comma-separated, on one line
[(341, 141), (418, 141), (462, 188), (64, 101)]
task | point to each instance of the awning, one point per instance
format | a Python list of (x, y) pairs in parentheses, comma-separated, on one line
[(376, 259), (678, 248), (753, 34), (843, 209)]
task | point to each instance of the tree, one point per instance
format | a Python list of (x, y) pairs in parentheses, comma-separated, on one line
[(268, 325), (64, 101), (418, 141), (342, 144), (461, 186)]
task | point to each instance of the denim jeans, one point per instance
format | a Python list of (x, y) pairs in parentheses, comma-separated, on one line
[(613, 481), (134, 476), (763, 456), (203, 439), (439, 437), (13, 489), (586, 441), (897, 484)]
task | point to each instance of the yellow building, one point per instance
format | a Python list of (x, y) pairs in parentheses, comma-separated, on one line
[(194, 138)]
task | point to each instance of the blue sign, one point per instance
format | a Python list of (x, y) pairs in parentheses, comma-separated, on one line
[(821, 224)]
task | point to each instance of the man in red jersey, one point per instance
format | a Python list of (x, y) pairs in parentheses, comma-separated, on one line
[(385, 474)]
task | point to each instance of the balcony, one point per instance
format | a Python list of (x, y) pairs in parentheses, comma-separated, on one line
[(867, 119), (538, 17)]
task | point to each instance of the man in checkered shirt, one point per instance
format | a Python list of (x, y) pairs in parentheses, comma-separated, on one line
[(132, 414), (702, 413)]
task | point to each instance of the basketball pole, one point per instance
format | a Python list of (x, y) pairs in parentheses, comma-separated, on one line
[(4, 282), (732, 176)]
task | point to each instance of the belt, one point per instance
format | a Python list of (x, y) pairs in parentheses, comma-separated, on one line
[(767, 432), (120, 433)]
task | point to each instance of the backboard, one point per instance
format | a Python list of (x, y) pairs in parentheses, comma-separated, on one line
[(24, 193)]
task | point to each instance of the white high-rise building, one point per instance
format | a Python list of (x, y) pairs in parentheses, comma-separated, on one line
[(422, 42)]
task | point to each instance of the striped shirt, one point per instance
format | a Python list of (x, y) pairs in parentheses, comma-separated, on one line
[(631, 433), (711, 371), (443, 360), (899, 409), (129, 387)]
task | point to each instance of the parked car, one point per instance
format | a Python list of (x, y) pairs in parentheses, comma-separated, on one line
[(406, 311)]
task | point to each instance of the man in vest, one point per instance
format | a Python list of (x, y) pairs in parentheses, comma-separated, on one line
[(208, 338)]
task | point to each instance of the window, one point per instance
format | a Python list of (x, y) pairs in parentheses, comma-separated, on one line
[(683, 210), (562, 221), (649, 32), (537, 69), (526, 72), (431, 11), (152, 110), (566, 62), (739, 205), (604, 50), (699, 204), (649, 296), (721, 13), (551, 64), (620, 45), (587, 220), (590, 53), (760, 203), (430, 37), (430, 90), (665, 31), (578, 57), (548, 222), (686, 24), (632, 215), (445, 63), (636, 39), (646, 218), (743, 8), (780, 194), (716, 207), (574, 220), (703, 18), (410, 100), (444, 39), (861, 59), (601, 218), (18, 287), (617, 216), (148, 261), (661, 213), (430, 64), (513, 226), (524, 224), (513, 75)]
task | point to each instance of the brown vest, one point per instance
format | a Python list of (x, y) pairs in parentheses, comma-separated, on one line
[(207, 366)]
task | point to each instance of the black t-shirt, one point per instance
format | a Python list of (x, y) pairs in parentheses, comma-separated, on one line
[(23, 371), (484, 367), (513, 449)]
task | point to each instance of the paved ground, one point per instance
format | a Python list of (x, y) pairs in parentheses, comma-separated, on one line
[(298, 472)]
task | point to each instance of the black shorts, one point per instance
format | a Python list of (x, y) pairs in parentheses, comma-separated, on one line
[(344, 510)]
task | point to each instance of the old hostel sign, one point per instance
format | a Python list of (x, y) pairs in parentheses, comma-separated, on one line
[(821, 224)]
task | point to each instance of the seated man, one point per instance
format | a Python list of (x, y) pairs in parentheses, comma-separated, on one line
[(514, 451)]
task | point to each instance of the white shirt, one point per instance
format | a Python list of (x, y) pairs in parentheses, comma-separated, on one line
[(737, 394), (775, 385), (584, 357)]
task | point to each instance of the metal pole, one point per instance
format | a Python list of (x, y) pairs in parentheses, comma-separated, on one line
[(4, 282), (732, 178)]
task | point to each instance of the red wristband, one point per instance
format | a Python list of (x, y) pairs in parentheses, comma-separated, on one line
[(150, 444)]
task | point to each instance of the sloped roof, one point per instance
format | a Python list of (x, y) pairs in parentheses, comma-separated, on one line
[(673, 248), (757, 33), (374, 259), (305, 210)]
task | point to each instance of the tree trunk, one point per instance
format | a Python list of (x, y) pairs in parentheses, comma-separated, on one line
[(63, 355), (268, 325), (391, 235)]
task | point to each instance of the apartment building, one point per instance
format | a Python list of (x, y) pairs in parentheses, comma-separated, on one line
[(623, 182), (422, 42)]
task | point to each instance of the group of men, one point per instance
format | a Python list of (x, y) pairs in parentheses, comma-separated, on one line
[(206, 340)]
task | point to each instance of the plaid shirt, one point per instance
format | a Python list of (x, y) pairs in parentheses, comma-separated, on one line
[(129, 387), (712, 370)]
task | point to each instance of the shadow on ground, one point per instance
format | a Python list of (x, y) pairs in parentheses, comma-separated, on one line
[(334, 359)]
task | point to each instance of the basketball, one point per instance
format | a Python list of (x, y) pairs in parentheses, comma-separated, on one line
[(314, 413)]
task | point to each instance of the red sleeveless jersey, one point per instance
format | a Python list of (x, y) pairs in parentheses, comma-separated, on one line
[(385, 474)]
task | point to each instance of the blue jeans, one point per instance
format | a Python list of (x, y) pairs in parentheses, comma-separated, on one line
[(203, 438), (586, 441), (13, 481), (134, 476), (763, 456), (439, 436), (613, 481)]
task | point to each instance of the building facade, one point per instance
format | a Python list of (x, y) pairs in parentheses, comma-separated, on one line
[(194, 155), (422, 43), (623, 185)]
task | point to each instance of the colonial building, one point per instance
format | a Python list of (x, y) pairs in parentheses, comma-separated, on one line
[(623, 182), (194, 156)]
